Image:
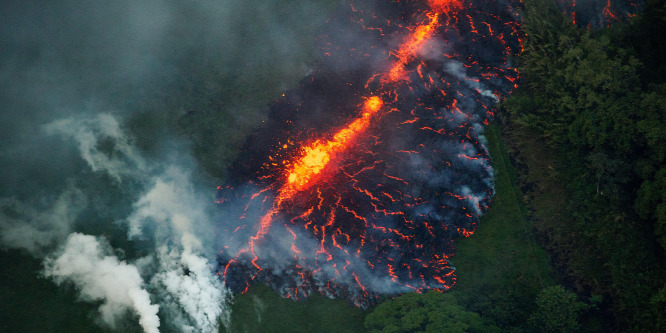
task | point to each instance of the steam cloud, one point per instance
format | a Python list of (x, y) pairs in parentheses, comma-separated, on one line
[(95, 181), (88, 132), (178, 213), (85, 261), (169, 213), (25, 227)]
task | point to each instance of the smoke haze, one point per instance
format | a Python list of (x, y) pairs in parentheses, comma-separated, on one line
[(117, 119)]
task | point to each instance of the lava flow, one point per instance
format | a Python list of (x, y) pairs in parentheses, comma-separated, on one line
[(365, 173)]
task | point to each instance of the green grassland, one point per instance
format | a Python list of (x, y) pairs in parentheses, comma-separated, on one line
[(501, 267), (263, 310)]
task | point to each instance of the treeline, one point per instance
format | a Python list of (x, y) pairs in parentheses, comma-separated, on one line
[(597, 99)]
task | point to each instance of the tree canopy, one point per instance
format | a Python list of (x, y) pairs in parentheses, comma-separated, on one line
[(429, 312), (557, 310), (597, 98)]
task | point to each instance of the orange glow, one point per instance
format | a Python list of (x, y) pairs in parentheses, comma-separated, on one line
[(410, 48), (315, 157), (608, 13), (322, 189), (443, 6), (416, 40)]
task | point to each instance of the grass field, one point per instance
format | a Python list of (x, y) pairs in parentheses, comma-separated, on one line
[(501, 267), (263, 310)]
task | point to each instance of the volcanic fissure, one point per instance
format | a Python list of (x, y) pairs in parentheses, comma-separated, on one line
[(363, 176)]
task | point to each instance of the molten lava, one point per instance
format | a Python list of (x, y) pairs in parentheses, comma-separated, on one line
[(317, 156), (391, 167), (409, 49)]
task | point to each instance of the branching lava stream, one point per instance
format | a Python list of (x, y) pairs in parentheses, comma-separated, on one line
[(365, 174)]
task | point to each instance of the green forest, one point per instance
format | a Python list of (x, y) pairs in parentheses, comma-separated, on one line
[(594, 101)]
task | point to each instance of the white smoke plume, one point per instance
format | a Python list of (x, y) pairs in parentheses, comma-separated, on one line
[(94, 98), (86, 263), (186, 277), (170, 212), (457, 69), (176, 211)]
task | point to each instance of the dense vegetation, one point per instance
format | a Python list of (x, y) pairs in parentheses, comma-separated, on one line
[(429, 312), (586, 129), (597, 99)]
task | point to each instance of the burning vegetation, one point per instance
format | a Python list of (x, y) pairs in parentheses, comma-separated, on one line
[(364, 175), (595, 14)]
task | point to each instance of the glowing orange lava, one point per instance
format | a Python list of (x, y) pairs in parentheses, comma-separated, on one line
[(610, 17), (317, 156), (409, 50), (319, 185), (443, 6), (312, 161)]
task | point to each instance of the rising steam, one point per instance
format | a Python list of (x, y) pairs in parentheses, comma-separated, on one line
[(95, 181), (170, 213), (99, 276)]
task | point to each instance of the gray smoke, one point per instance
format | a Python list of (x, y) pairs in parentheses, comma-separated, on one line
[(26, 227), (457, 69), (87, 133), (170, 212), (117, 120)]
